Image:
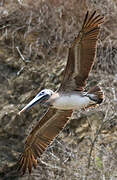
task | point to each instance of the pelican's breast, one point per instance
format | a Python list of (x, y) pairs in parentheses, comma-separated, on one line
[(73, 101)]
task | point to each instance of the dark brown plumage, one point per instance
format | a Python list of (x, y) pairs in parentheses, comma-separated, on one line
[(82, 54), (42, 136), (80, 60)]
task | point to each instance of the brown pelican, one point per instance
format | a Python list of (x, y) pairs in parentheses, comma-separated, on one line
[(70, 96)]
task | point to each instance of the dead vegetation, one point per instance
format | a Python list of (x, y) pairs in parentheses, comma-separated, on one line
[(34, 36)]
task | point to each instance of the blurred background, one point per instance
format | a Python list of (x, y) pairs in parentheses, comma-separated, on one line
[(34, 38)]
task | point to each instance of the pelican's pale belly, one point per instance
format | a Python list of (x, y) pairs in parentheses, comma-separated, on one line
[(71, 102)]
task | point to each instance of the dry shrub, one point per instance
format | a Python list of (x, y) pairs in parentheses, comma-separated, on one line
[(40, 31)]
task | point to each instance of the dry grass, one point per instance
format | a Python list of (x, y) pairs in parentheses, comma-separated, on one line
[(33, 41)]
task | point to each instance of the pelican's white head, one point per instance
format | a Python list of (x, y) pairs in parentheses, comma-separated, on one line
[(41, 98)]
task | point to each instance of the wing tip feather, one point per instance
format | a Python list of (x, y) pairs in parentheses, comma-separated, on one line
[(92, 19), (26, 161)]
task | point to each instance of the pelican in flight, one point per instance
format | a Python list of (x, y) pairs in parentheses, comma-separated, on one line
[(70, 96)]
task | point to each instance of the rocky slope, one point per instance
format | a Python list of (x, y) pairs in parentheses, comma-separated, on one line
[(34, 37)]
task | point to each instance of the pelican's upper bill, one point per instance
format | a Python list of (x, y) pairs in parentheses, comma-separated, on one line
[(41, 98), (71, 94)]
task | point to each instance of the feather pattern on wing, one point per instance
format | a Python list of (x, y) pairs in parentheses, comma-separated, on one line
[(41, 137), (81, 54), (80, 60)]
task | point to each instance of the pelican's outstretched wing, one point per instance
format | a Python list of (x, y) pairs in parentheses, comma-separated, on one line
[(81, 54), (42, 136)]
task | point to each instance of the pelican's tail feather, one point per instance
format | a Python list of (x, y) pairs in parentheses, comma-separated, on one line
[(96, 94)]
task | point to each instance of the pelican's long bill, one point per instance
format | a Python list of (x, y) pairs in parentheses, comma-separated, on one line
[(38, 99)]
